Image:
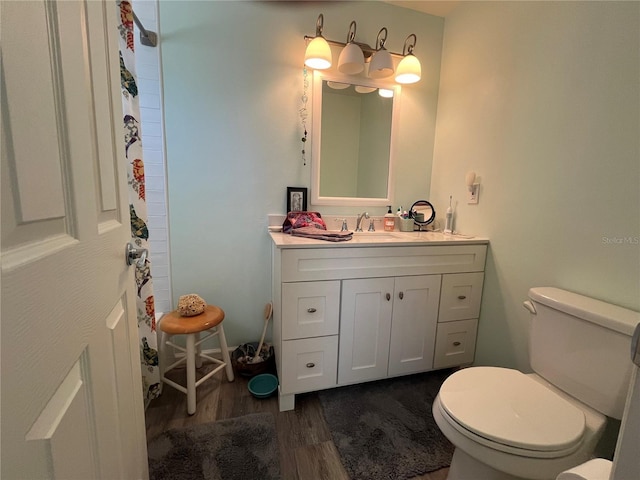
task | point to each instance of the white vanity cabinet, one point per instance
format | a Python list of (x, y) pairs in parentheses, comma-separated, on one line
[(354, 311)]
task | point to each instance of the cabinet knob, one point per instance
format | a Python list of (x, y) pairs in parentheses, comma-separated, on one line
[(456, 344), (311, 365), (461, 297), (311, 310), (388, 296), (401, 295)]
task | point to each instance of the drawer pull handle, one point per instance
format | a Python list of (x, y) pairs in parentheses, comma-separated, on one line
[(388, 296), (401, 295), (311, 310), (456, 344), (461, 297), (311, 365)]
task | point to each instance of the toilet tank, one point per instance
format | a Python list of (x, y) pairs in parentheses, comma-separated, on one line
[(582, 346)]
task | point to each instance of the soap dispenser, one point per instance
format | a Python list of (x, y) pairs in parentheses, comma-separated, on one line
[(389, 221)]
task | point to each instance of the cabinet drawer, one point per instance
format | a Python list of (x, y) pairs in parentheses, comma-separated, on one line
[(310, 309), (455, 343), (460, 296), (305, 264), (309, 364)]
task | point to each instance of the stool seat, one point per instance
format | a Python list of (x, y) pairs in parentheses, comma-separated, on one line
[(174, 324), (209, 321)]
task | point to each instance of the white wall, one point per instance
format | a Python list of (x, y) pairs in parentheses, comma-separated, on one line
[(542, 100), (233, 83)]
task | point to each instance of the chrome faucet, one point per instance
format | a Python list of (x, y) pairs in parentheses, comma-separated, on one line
[(360, 217)]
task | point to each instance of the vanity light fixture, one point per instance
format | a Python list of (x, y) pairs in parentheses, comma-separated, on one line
[(473, 187), (409, 69), (385, 92), (318, 53), (355, 56), (351, 59)]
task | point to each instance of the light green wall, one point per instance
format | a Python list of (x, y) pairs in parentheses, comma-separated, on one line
[(232, 79), (542, 100)]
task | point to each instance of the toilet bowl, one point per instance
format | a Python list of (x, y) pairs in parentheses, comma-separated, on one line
[(507, 425)]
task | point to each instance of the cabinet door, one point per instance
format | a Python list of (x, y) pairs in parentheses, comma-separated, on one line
[(461, 296), (365, 328), (413, 325)]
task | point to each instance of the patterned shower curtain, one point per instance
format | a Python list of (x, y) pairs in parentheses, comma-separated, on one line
[(137, 204)]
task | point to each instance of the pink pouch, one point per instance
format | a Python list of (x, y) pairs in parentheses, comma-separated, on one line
[(303, 219)]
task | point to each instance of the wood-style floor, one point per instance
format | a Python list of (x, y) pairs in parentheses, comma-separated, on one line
[(306, 449)]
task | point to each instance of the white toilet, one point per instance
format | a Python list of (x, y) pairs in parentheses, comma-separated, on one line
[(506, 425)]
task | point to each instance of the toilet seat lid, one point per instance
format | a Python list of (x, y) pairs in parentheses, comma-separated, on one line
[(508, 407)]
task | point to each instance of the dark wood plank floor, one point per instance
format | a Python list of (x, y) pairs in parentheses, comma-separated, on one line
[(306, 449)]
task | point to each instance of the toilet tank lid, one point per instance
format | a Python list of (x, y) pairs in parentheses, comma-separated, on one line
[(601, 313)]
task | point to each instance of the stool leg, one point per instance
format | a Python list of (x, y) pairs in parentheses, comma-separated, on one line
[(191, 373), (198, 351), (162, 353), (225, 353)]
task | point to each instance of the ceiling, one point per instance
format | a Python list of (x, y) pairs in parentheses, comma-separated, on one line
[(438, 8)]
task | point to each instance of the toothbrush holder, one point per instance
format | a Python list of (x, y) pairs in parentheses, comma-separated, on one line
[(406, 224)]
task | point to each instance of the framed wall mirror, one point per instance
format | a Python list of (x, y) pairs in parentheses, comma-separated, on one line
[(353, 135)]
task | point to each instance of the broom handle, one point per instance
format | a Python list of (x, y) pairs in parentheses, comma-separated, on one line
[(264, 332)]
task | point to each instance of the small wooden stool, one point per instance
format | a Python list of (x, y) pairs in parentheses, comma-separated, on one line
[(174, 324)]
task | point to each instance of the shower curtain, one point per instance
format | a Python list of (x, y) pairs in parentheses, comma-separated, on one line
[(137, 204)]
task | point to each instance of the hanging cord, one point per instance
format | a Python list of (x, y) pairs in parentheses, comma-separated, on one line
[(303, 113)]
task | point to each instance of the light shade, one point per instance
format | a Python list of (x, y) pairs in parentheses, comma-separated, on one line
[(409, 70), (386, 93), (338, 85), (351, 59), (363, 89), (381, 65), (318, 54)]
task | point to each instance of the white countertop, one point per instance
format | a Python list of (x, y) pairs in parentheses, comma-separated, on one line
[(377, 239)]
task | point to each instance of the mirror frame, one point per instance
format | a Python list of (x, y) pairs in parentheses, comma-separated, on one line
[(316, 138), (429, 220)]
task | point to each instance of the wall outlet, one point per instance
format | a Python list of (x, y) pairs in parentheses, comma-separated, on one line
[(474, 191)]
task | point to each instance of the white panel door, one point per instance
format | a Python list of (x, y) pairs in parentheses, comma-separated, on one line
[(71, 386), (414, 322), (365, 327)]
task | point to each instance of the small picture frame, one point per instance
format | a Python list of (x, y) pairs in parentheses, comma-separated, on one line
[(296, 199)]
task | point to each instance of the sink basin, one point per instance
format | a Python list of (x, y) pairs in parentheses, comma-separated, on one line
[(376, 235)]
